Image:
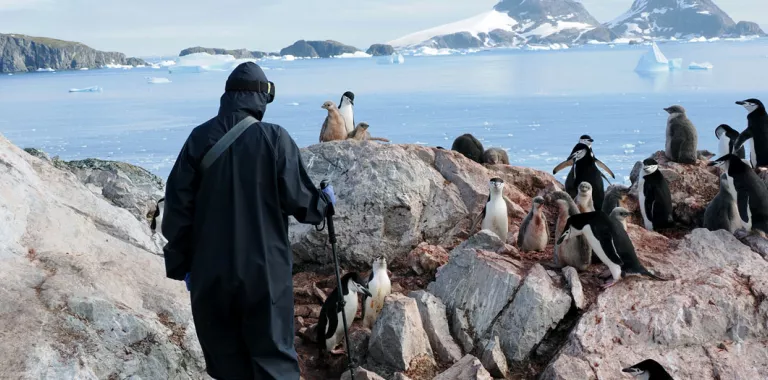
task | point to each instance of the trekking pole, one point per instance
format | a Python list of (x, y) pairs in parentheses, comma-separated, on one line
[(332, 239)]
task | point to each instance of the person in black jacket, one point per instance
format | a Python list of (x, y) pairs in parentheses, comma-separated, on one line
[(227, 232)]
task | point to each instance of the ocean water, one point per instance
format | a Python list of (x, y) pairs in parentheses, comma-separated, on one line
[(534, 103)]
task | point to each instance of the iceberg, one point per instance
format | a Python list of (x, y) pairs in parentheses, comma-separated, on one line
[(83, 69), (117, 66), (154, 80), (700, 66), (357, 54), (166, 63), (675, 63), (289, 58), (653, 61), (394, 59), (47, 70), (203, 62), (87, 89)]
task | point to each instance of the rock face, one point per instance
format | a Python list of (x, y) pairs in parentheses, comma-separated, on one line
[(433, 317), (85, 294), (493, 358), (710, 322), (25, 53), (468, 368), (237, 53), (317, 49), (398, 337), (377, 50), (679, 19), (562, 21)]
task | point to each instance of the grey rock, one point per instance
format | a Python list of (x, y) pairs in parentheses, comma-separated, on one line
[(398, 336), (484, 240), (460, 40), (479, 282), (317, 49), (537, 308), (400, 376), (433, 317), (38, 153), (237, 53), (361, 374), (567, 368), (574, 283), (377, 50), (461, 330), (26, 53), (468, 368), (493, 358), (746, 28), (359, 340)]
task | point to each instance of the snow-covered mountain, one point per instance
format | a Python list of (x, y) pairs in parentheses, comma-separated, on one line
[(679, 19), (512, 23)]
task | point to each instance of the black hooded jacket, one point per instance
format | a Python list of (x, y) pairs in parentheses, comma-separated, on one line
[(229, 227)]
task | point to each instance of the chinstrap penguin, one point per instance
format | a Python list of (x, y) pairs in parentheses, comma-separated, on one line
[(494, 216), (682, 137), (495, 156), (380, 287), (751, 191), (333, 127), (576, 252), (648, 369), (346, 109), (756, 132), (615, 196), (330, 329), (727, 138), (157, 216), (655, 200), (569, 180), (470, 147), (584, 198), (361, 133), (584, 170), (620, 214), (534, 231), (723, 213), (610, 243)]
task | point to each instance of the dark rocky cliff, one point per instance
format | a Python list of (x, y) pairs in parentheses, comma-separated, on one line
[(237, 53), (317, 49), (24, 53)]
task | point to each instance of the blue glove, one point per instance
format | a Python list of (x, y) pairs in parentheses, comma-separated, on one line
[(329, 192), (186, 280)]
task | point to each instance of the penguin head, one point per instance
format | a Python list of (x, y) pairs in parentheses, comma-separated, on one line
[(538, 201), (585, 188), (648, 368), (380, 263), (347, 97), (751, 105), (650, 166), (675, 109), (362, 125), (567, 233), (328, 105), (579, 151), (586, 140), (497, 184), (722, 130), (354, 284), (621, 213), (723, 162)]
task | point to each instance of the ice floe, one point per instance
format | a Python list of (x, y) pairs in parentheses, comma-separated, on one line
[(155, 80), (357, 54), (700, 66), (87, 89), (47, 70), (395, 58), (202, 62)]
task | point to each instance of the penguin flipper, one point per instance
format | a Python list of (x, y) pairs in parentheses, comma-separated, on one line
[(605, 167), (609, 249), (742, 202), (743, 137), (562, 165)]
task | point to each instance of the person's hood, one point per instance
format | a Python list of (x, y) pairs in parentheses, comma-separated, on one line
[(252, 103)]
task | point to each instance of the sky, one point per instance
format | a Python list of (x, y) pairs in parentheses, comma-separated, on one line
[(165, 27)]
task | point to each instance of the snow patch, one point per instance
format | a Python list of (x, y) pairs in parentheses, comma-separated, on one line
[(357, 54), (548, 29), (117, 66), (482, 23)]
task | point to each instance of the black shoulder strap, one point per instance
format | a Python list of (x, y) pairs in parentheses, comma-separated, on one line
[(225, 141)]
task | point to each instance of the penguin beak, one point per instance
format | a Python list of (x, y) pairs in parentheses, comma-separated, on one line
[(560, 239), (590, 140), (364, 290), (741, 102)]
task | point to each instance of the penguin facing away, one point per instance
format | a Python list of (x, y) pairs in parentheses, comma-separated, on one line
[(584, 198), (495, 156), (615, 196), (751, 191), (534, 231), (609, 241), (575, 252), (585, 170), (469, 146), (330, 329), (727, 138), (648, 369), (722, 212), (681, 137), (757, 131), (494, 215), (380, 287), (346, 109), (569, 181), (654, 197)]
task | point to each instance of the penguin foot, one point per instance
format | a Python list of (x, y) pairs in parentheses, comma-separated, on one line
[(606, 274), (608, 284), (338, 351)]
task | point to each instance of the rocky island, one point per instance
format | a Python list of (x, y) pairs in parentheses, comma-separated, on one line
[(237, 53), (317, 49), (86, 294), (19, 53)]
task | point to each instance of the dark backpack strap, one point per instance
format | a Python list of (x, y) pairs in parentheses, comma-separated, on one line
[(225, 141)]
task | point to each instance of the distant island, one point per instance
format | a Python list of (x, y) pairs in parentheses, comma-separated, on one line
[(237, 53), (20, 53), (299, 49)]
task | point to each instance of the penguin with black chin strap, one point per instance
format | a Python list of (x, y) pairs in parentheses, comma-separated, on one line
[(648, 369), (756, 132), (570, 182), (347, 111), (584, 170), (330, 329)]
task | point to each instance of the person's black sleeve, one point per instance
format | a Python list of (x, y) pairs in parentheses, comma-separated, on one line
[(299, 197), (178, 215)]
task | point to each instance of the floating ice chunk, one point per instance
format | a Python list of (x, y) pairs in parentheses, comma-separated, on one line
[(700, 66), (117, 66), (289, 58), (357, 54), (627, 146), (47, 70), (83, 69), (154, 80), (87, 89), (166, 63), (202, 62), (675, 63), (426, 50), (653, 61), (395, 58), (698, 39), (293, 104)]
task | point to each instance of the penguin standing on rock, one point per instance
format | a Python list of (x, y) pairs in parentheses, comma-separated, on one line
[(534, 231), (648, 369), (609, 241), (569, 181), (620, 214), (380, 287), (584, 170), (330, 329), (727, 137), (682, 137), (654, 197), (469, 146), (494, 216), (347, 111), (751, 191), (584, 198), (723, 213), (575, 252), (757, 131)]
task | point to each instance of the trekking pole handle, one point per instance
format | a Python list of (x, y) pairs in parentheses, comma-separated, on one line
[(329, 216)]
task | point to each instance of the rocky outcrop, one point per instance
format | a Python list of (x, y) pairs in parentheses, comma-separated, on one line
[(711, 321), (84, 292), (237, 53), (25, 53), (493, 358), (679, 19), (433, 317), (317, 49), (427, 258), (377, 50), (468, 368)]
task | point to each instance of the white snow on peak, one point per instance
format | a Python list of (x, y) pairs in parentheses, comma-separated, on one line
[(548, 29), (482, 23)]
